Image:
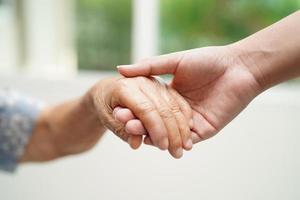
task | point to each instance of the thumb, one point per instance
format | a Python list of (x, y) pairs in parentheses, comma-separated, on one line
[(159, 65)]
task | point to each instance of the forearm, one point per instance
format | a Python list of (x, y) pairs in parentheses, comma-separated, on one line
[(64, 129), (273, 54)]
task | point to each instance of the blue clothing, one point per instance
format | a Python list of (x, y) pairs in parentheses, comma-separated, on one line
[(18, 115)]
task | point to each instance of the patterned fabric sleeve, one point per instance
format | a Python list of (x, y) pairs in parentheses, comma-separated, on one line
[(17, 119)]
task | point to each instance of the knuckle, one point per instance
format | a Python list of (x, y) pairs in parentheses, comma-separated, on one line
[(166, 113), (183, 105), (144, 107), (117, 128), (184, 127), (175, 108), (120, 132), (186, 133)]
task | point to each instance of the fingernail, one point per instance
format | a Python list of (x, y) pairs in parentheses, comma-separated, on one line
[(179, 153), (164, 144), (116, 109), (189, 144), (122, 66)]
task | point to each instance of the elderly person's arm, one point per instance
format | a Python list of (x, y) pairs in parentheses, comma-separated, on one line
[(67, 128), (18, 115)]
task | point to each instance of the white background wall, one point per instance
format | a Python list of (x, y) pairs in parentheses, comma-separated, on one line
[(255, 157)]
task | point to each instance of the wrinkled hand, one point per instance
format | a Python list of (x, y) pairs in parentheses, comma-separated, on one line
[(213, 80), (162, 111)]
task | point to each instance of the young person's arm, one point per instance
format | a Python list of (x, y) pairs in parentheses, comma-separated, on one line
[(273, 54)]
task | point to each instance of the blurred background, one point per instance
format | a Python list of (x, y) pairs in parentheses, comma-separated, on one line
[(56, 49), (63, 36)]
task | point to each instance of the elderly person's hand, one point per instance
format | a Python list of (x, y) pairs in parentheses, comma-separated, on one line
[(76, 126), (164, 113)]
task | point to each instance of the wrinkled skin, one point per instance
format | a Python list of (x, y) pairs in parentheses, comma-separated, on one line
[(164, 113)]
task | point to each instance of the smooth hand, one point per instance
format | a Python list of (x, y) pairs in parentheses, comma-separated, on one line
[(213, 80)]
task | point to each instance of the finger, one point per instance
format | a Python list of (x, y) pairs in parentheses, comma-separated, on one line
[(132, 125), (135, 127), (144, 109), (116, 109), (165, 64), (135, 141), (196, 138), (184, 106), (202, 128), (166, 113), (148, 141), (181, 120), (184, 129), (123, 115)]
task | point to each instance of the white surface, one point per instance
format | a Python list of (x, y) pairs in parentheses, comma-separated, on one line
[(255, 157)]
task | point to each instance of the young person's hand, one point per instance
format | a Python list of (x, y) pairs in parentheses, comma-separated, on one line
[(219, 82), (215, 83)]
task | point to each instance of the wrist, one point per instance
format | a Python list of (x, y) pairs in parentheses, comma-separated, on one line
[(87, 105), (254, 60), (41, 146), (57, 128)]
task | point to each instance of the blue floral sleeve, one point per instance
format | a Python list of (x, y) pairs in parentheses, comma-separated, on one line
[(17, 119)]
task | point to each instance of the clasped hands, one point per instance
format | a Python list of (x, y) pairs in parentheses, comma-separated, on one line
[(210, 86)]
